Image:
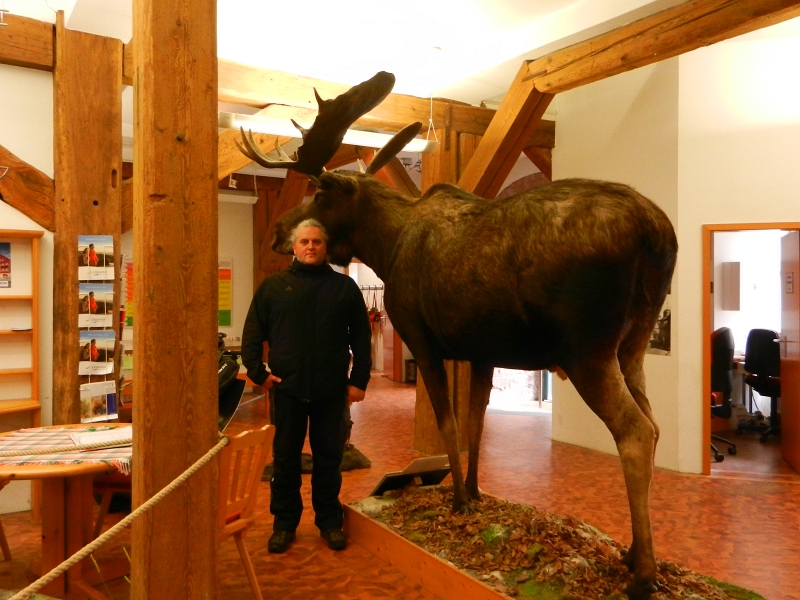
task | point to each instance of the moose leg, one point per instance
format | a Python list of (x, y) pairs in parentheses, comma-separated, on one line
[(480, 386), (435, 378), (602, 386)]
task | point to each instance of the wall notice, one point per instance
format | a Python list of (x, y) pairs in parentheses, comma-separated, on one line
[(5, 265)]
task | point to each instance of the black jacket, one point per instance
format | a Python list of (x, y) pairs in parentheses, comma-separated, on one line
[(312, 318)]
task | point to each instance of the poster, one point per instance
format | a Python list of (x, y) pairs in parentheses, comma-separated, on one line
[(5, 264), (96, 305), (98, 401), (225, 292), (126, 309), (95, 257), (97, 352)]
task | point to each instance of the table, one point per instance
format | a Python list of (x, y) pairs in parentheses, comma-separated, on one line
[(67, 505)]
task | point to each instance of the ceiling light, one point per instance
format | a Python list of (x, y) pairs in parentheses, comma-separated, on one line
[(284, 128)]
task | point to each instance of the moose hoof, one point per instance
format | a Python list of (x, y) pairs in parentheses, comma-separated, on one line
[(640, 590), (465, 508)]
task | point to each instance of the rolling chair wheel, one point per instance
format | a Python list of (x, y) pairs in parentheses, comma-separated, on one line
[(732, 451), (719, 457)]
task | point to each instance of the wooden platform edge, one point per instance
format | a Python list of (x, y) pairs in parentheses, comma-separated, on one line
[(431, 572)]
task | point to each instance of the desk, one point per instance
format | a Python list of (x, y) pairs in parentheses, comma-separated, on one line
[(67, 504)]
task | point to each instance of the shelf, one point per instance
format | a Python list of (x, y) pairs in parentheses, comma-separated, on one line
[(6, 297), (16, 406), (27, 371), (12, 332)]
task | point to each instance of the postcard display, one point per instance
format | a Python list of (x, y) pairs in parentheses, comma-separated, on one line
[(96, 328)]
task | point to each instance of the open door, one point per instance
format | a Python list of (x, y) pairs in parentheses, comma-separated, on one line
[(790, 349)]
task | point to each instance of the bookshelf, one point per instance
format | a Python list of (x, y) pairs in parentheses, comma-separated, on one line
[(19, 326)]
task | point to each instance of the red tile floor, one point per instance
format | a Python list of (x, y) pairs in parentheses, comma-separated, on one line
[(740, 525)]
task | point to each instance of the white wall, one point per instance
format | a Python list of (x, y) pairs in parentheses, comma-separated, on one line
[(759, 256), (236, 242), (26, 129), (623, 129)]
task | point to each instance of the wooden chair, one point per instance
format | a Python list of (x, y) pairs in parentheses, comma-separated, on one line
[(3, 541), (241, 464), (106, 486)]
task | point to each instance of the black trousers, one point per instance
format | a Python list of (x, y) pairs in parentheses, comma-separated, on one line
[(323, 419)]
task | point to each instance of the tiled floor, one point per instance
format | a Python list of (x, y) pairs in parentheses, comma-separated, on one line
[(740, 525)]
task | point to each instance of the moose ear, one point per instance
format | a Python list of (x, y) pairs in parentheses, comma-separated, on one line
[(335, 182)]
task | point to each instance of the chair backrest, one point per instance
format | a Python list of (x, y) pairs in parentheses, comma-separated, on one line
[(722, 347), (762, 355), (241, 465)]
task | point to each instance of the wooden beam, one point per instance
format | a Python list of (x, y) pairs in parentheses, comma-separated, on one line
[(542, 158), (27, 189), (175, 245), (291, 194), (88, 163), (663, 35), (285, 95), (127, 63), (27, 43), (395, 175), (516, 119)]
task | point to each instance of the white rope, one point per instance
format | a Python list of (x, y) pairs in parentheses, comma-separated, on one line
[(59, 449), (91, 547)]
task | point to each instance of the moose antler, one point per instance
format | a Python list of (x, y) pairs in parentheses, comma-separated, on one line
[(323, 138), (393, 146)]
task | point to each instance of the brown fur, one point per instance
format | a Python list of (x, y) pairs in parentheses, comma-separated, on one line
[(569, 276)]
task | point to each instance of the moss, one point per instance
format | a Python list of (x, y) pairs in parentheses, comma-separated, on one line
[(494, 534), (735, 592), (417, 537), (429, 515), (534, 550), (539, 590)]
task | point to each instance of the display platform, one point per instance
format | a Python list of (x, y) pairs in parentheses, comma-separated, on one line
[(432, 573)]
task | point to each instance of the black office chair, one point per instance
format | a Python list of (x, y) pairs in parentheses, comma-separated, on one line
[(722, 383), (762, 365)]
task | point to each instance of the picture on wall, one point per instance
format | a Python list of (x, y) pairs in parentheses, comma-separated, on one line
[(5, 265), (97, 352), (660, 341), (95, 257), (95, 305), (98, 401)]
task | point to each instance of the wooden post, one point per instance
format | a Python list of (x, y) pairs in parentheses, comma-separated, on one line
[(87, 87), (175, 245), (443, 167)]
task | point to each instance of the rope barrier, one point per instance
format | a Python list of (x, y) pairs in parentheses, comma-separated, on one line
[(91, 547)]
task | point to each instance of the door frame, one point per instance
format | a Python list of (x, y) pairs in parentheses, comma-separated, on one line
[(707, 258)]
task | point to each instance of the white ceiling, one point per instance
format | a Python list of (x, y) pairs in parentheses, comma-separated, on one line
[(465, 50)]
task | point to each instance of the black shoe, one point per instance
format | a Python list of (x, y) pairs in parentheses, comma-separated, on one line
[(336, 538), (279, 542)]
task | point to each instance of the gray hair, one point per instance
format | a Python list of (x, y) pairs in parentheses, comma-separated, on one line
[(308, 223)]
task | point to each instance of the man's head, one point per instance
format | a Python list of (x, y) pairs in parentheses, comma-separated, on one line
[(309, 242)]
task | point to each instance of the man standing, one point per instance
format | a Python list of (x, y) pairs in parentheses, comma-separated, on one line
[(312, 317)]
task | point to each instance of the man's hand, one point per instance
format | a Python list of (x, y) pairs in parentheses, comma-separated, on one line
[(271, 380), (354, 394)]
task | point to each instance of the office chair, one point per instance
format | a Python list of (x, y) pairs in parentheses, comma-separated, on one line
[(722, 383), (762, 365)]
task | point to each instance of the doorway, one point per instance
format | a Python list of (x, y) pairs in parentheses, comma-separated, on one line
[(742, 291)]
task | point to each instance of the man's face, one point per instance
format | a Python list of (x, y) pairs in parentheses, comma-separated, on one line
[(309, 246)]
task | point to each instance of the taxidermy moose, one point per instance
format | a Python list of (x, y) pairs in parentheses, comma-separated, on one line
[(568, 276)]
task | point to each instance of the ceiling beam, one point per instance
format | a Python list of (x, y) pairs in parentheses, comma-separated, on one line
[(28, 190), (543, 159), (660, 36), (27, 43), (506, 137)]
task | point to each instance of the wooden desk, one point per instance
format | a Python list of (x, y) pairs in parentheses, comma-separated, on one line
[(67, 524)]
